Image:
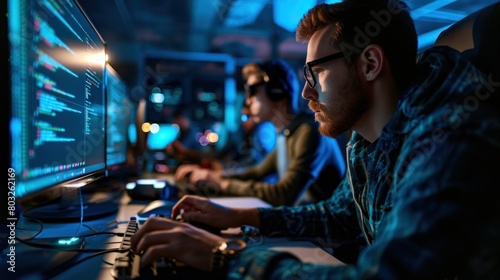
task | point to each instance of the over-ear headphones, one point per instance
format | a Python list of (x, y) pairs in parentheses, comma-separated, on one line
[(279, 79)]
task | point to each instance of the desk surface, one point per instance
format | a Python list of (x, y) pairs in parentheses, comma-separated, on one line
[(100, 267)]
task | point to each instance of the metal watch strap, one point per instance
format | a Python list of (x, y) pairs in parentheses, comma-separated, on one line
[(222, 257)]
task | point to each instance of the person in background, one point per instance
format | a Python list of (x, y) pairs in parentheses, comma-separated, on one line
[(186, 140), (245, 147), (419, 186), (309, 166), (259, 139)]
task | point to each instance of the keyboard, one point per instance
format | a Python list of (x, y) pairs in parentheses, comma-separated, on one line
[(127, 265)]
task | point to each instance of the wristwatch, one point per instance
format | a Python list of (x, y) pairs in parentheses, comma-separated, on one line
[(224, 252)]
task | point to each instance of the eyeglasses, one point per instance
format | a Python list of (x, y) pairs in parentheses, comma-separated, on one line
[(309, 74), (251, 90)]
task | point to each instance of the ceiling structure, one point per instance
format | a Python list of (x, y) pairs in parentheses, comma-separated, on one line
[(245, 29)]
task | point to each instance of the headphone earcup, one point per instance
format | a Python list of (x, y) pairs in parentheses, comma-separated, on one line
[(277, 87), (276, 91)]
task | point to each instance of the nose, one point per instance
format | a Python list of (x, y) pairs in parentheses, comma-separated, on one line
[(309, 93)]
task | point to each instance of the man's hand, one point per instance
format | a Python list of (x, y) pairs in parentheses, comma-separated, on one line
[(202, 179), (194, 208), (184, 171), (166, 238)]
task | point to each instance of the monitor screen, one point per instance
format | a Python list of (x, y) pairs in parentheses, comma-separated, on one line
[(161, 135), (118, 117), (57, 126)]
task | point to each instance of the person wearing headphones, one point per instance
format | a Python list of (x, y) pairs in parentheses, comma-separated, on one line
[(309, 165), (245, 147)]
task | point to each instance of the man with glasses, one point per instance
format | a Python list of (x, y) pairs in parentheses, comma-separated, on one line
[(308, 165), (419, 186)]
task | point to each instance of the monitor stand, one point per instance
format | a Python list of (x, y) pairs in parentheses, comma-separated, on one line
[(69, 209), (54, 214)]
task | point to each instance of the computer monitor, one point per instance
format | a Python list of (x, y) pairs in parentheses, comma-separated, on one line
[(161, 135), (158, 137), (57, 100), (118, 115)]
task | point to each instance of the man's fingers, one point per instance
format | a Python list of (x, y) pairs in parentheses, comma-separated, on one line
[(190, 203), (155, 252), (152, 224), (151, 239)]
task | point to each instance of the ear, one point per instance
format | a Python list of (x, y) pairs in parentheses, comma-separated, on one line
[(372, 61)]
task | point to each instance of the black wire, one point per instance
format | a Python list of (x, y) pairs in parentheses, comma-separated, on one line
[(39, 230), (103, 232), (102, 252), (62, 249), (63, 267), (59, 248)]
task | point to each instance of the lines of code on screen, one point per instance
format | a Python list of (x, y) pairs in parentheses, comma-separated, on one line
[(57, 68)]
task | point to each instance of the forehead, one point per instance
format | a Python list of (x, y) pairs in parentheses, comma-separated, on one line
[(320, 43)]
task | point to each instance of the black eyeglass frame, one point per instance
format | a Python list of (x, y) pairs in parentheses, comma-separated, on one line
[(310, 64), (250, 90)]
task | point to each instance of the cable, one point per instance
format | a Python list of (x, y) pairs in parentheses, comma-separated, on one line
[(81, 210), (120, 234), (39, 230), (63, 267), (91, 228), (62, 249), (59, 248)]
